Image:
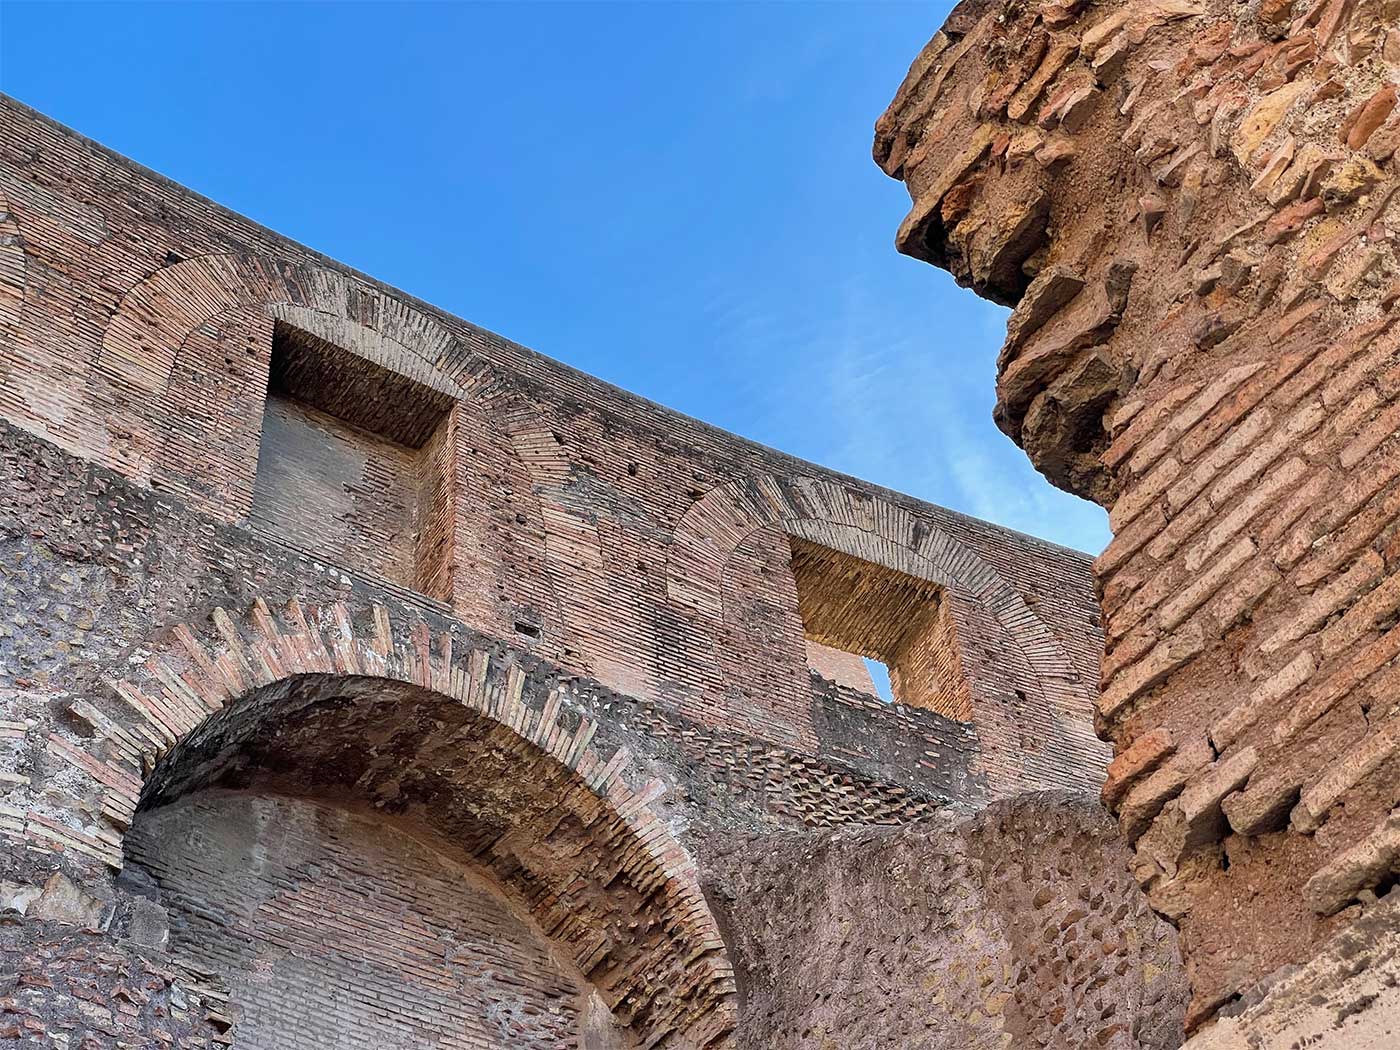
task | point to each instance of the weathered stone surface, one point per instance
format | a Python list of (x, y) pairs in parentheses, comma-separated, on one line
[(1241, 157), (1345, 998), (1021, 939)]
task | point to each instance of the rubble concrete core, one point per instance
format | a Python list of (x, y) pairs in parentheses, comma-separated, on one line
[(368, 680), (1192, 206)]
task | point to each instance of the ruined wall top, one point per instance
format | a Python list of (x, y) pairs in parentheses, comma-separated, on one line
[(251, 384), (1211, 176), (1191, 205)]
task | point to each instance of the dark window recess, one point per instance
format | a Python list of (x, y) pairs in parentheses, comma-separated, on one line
[(529, 630), (356, 464), (854, 611)]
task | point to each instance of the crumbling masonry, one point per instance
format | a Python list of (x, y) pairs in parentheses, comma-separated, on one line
[(369, 681), (1192, 206)]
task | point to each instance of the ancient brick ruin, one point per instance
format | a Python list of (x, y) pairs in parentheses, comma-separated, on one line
[(368, 680), (1192, 206)]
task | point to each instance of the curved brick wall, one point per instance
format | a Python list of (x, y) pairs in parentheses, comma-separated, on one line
[(275, 391), (1192, 206), (328, 928)]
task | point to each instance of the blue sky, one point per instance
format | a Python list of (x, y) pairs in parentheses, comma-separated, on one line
[(678, 198)]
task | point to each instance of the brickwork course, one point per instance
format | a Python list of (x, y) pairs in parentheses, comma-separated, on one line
[(1192, 206), (368, 680)]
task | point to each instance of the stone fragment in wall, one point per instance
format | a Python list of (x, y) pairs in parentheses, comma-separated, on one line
[(1359, 761), (16, 897), (1349, 181), (1322, 604), (1056, 151), (1063, 425), (1059, 13), (958, 201), (912, 238), (148, 924), (1236, 269), (1303, 179), (1024, 145), (1271, 276), (62, 900), (1274, 16), (1367, 863), (1166, 656), (1178, 172), (1215, 327), (1145, 799), (1286, 224), (1204, 822), (1192, 821), (1137, 20), (1367, 118), (1327, 90), (1261, 120), (1053, 288), (1172, 892), (1151, 208), (1350, 281), (1086, 323), (1385, 143), (1014, 77), (1141, 757), (1264, 804), (994, 254), (1292, 56), (1230, 726), (1279, 161), (1068, 106), (1061, 52)]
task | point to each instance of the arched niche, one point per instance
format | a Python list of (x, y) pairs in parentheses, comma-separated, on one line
[(478, 761)]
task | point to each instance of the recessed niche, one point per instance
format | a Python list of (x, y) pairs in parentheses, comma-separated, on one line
[(853, 610), (355, 464)]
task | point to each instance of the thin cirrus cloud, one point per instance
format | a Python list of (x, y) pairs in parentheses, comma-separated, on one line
[(678, 198)]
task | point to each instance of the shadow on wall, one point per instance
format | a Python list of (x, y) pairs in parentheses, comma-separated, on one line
[(329, 927), (383, 863)]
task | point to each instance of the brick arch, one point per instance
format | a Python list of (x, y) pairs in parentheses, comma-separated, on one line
[(874, 530), (866, 527), (598, 869), (158, 313)]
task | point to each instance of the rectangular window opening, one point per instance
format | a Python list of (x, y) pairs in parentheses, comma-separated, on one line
[(877, 630), (356, 464)]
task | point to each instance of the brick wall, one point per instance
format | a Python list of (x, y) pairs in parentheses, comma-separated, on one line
[(1016, 928), (1192, 206), (271, 527), (153, 324), (347, 931)]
